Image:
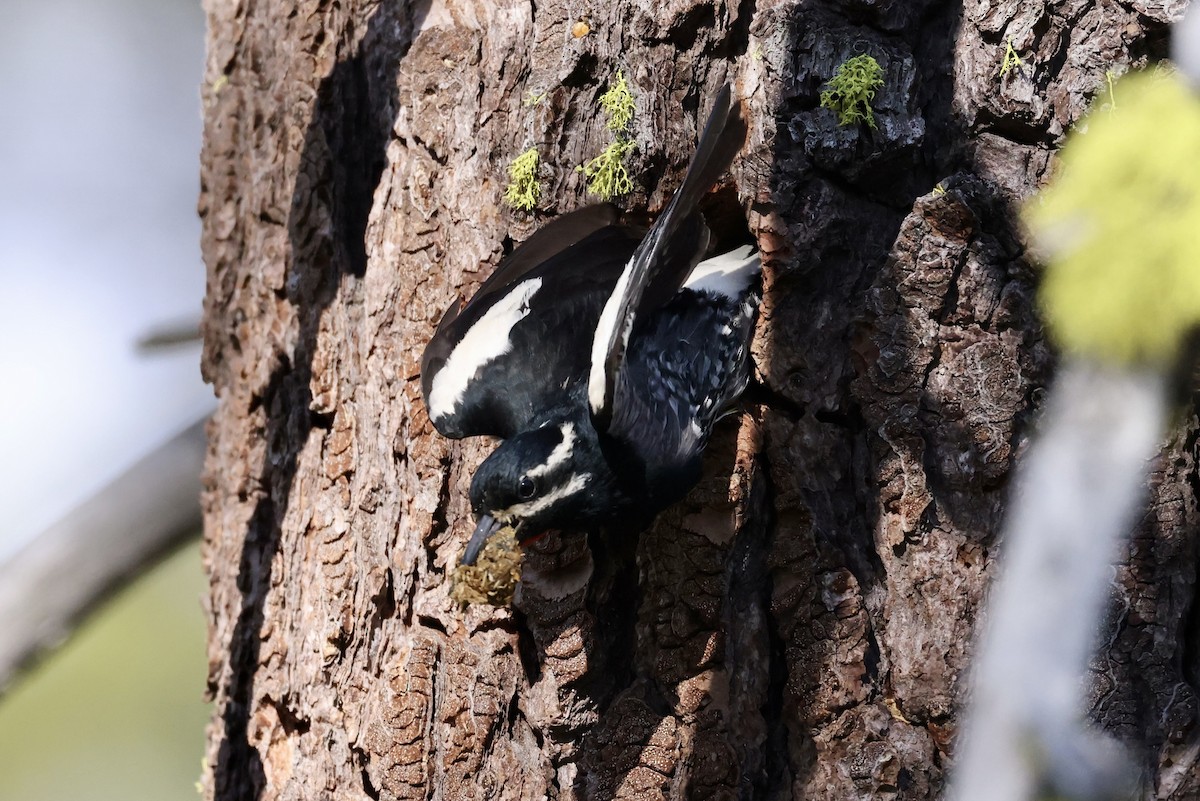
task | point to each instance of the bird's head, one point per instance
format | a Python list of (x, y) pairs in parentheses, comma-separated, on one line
[(536, 481)]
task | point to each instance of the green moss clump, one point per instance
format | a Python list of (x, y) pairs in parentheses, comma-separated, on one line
[(1120, 227), (606, 173), (523, 188), (852, 88)]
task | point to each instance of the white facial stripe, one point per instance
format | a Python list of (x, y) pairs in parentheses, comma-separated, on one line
[(728, 274), (561, 453), (487, 339), (605, 334), (530, 508)]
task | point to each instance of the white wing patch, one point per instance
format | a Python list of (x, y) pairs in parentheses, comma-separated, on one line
[(605, 331), (728, 274), (488, 339), (561, 453), (530, 508)]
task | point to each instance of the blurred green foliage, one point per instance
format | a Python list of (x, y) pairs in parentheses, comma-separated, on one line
[(117, 713), (1119, 227)]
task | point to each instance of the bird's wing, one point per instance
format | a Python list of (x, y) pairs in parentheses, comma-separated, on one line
[(552, 238), (492, 365), (672, 247)]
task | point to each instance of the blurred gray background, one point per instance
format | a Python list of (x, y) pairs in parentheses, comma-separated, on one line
[(99, 244)]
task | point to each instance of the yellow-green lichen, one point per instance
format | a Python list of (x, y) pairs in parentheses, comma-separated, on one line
[(618, 105), (852, 88), (523, 188), (1120, 227), (607, 177), (606, 174), (1011, 60)]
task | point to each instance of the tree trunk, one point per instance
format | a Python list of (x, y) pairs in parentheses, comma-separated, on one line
[(799, 627)]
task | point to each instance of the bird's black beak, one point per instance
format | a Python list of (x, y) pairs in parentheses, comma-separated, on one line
[(484, 529)]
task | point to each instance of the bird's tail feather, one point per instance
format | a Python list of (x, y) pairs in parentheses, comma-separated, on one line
[(661, 262)]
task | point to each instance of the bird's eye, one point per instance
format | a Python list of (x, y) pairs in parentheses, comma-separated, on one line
[(525, 488)]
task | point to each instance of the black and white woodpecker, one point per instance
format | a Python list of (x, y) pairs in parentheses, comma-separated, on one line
[(602, 355)]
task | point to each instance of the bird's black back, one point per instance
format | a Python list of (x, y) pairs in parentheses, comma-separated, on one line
[(687, 365)]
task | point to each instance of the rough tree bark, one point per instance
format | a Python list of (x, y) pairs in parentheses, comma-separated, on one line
[(800, 625)]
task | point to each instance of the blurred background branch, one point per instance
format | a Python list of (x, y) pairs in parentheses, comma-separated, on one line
[(1078, 492), (49, 585)]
